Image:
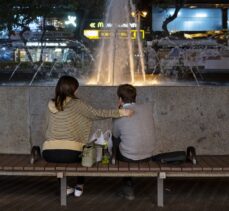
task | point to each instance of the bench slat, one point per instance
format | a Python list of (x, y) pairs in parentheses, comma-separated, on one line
[(154, 166), (40, 165), (176, 167), (21, 160), (134, 166), (221, 162), (225, 160), (71, 167), (123, 166), (187, 166), (3, 160), (197, 166), (164, 167), (94, 168), (144, 166), (102, 167), (214, 163), (61, 166), (50, 166), (22, 163), (11, 161), (113, 167), (81, 168), (202, 162)]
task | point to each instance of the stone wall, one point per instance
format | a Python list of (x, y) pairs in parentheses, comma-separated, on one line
[(183, 116)]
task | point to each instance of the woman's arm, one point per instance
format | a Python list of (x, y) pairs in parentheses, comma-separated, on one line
[(92, 113)]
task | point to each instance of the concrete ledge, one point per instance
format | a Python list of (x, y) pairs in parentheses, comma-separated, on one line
[(191, 115)]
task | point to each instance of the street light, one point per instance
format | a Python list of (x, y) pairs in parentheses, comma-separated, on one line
[(139, 14)]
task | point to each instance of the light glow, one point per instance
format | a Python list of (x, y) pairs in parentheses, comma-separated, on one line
[(71, 21), (104, 34), (141, 13), (33, 44), (201, 15), (91, 34), (58, 50)]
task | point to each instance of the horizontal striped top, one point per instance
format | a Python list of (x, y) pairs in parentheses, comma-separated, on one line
[(75, 121)]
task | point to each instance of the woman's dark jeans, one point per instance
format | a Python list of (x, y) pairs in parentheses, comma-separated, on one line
[(63, 156)]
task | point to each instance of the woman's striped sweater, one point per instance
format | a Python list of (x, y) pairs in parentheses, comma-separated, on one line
[(75, 121)]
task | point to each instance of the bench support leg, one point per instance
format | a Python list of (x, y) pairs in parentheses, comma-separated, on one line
[(63, 194), (160, 191)]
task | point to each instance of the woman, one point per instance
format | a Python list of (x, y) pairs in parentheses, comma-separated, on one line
[(69, 125)]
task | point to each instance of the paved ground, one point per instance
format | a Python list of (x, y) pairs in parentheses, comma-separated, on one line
[(41, 193)]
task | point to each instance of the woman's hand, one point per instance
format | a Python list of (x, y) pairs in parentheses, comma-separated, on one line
[(126, 112)]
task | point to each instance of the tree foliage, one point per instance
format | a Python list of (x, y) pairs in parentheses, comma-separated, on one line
[(178, 4), (20, 13), (15, 16)]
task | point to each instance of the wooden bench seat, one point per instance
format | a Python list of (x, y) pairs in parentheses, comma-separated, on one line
[(207, 166)]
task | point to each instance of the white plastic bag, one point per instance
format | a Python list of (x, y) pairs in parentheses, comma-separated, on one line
[(98, 138)]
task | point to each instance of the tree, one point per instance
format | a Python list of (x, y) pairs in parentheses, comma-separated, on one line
[(15, 18), (178, 5)]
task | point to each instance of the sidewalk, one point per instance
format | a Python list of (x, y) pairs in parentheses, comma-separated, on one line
[(41, 194)]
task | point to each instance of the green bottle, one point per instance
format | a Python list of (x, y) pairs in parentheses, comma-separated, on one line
[(106, 155)]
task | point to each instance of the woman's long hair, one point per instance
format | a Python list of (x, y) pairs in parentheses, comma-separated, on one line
[(66, 87)]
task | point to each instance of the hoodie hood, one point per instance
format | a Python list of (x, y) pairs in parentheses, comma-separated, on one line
[(52, 108)]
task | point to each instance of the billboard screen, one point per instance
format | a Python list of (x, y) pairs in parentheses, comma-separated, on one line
[(198, 19)]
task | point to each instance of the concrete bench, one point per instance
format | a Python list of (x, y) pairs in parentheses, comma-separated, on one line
[(207, 166)]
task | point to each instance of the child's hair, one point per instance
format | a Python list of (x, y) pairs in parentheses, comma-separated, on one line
[(127, 93)]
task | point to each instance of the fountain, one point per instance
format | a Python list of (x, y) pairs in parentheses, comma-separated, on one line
[(119, 60)]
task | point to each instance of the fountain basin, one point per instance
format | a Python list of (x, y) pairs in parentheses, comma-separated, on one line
[(184, 115)]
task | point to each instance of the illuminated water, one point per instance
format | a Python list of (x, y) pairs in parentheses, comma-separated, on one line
[(119, 60)]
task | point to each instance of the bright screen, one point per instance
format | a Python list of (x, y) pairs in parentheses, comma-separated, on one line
[(198, 19)]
